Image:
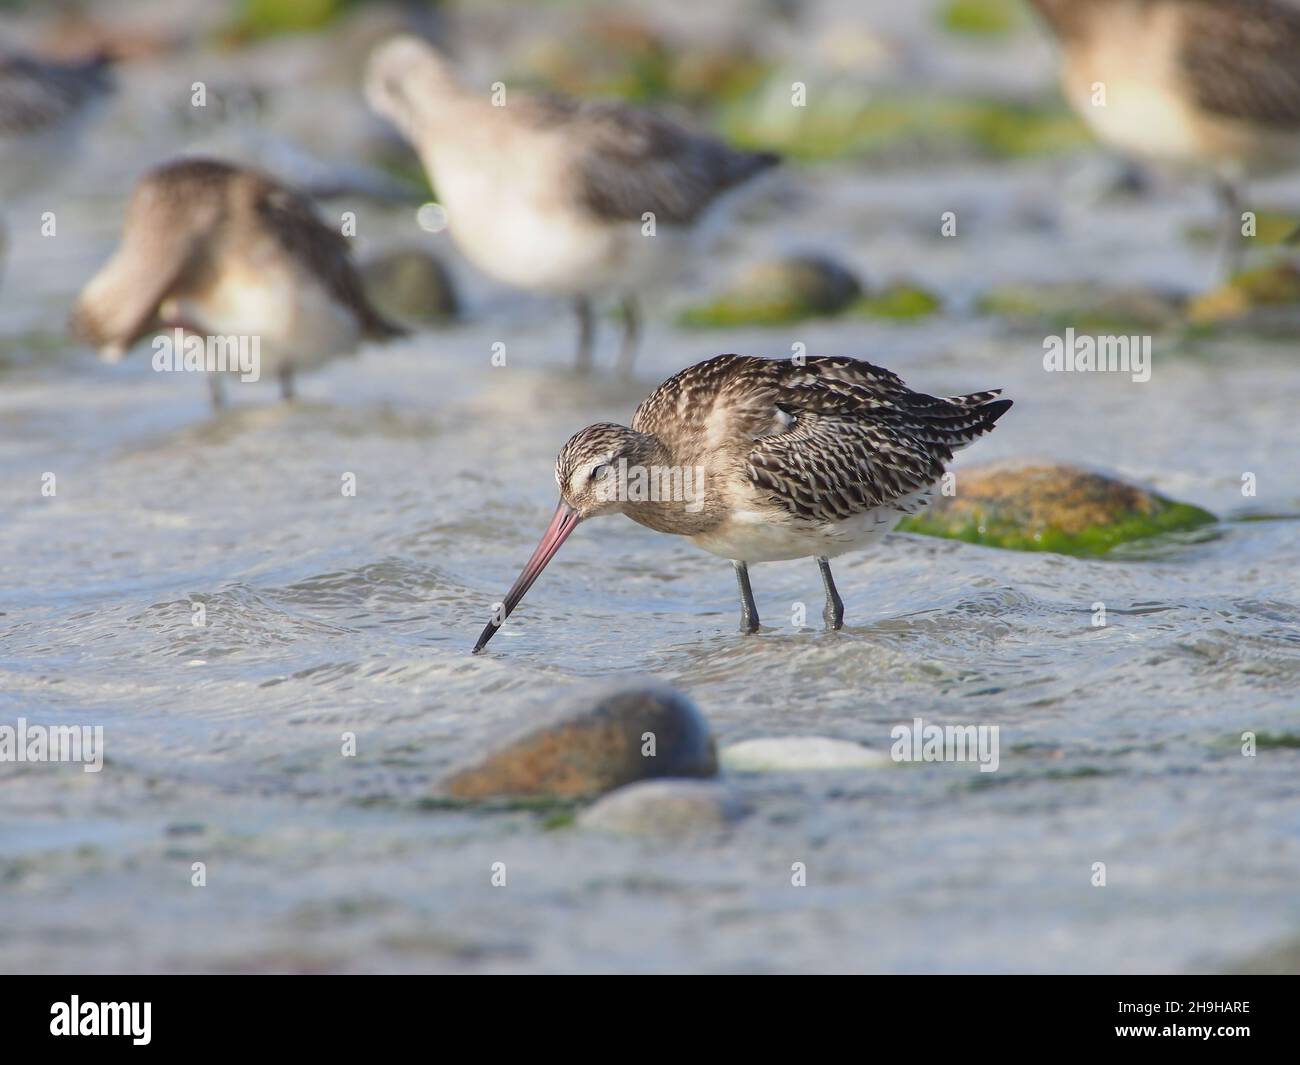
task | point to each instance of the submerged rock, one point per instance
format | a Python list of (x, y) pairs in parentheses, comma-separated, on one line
[(782, 290), (410, 285), (795, 753), (624, 737), (1047, 507), (1085, 306), (1268, 289), (664, 807)]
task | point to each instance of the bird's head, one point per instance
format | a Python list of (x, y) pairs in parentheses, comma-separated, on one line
[(591, 470), (593, 466), (405, 78)]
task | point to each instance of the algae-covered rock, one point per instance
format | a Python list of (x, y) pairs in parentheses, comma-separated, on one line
[(776, 291), (1270, 288), (841, 119), (1085, 306), (621, 54), (1047, 507), (410, 285), (625, 736), (982, 18), (261, 18), (900, 301)]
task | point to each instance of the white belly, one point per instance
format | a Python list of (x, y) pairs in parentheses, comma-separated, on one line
[(1146, 121), (519, 228), (756, 536), (297, 321), (1127, 88)]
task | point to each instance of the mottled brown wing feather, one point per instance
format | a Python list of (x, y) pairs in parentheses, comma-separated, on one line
[(860, 439), (629, 160), (1242, 58), (830, 467), (828, 437), (324, 251)]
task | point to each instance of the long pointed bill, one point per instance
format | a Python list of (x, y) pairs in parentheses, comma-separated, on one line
[(565, 521)]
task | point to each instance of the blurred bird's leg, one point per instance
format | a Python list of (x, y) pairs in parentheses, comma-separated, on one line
[(216, 390), (748, 612), (834, 612), (286, 383), (1231, 244), (586, 333), (631, 334)]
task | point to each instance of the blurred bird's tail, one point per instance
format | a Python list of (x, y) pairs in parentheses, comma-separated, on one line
[(978, 413)]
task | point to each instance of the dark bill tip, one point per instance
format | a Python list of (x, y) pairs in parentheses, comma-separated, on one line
[(562, 524)]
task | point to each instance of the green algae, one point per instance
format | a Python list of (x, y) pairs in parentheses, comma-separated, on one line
[(1061, 509), (265, 18), (899, 302), (842, 120), (981, 18), (1174, 517)]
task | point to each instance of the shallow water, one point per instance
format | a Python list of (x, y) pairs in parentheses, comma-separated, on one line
[(328, 614)]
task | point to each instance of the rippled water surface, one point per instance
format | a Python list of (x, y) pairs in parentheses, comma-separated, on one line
[(328, 614)]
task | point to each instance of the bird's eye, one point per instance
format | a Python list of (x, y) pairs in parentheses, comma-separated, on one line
[(599, 471)]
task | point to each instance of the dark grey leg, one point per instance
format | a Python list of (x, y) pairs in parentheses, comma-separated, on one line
[(631, 334), (1232, 246), (216, 391), (586, 333), (834, 612), (748, 612), (286, 383)]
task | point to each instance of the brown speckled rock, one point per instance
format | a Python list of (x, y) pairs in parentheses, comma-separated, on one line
[(596, 749)]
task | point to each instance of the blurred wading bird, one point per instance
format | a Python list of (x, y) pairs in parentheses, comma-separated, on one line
[(1210, 84), (216, 250), (43, 106), (574, 198), (797, 458)]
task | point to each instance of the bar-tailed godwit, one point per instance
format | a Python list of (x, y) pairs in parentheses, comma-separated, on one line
[(1208, 84), (757, 460), (580, 199), (216, 250)]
